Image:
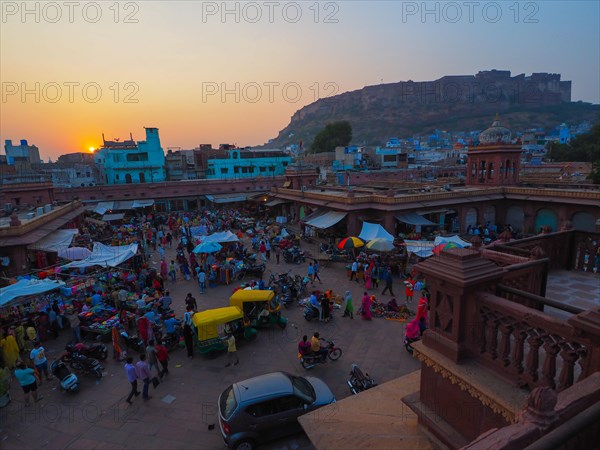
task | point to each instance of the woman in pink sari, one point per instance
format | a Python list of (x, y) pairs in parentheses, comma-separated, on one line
[(164, 271), (366, 307)]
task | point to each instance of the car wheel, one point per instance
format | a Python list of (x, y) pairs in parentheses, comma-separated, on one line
[(246, 444), (335, 355)]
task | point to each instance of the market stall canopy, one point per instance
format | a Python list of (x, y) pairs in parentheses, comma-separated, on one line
[(111, 217), (326, 220), (454, 239), (106, 256), (102, 207), (208, 247), (55, 241), (413, 218), (372, 231), (27, 287), (142, 203), (424, 249), (74, 253), (223, 236), (227, 198), (276, 201)]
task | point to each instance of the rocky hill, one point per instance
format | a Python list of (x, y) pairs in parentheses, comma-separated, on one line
[(452, 103)]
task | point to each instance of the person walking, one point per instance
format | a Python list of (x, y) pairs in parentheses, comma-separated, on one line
[(366, 307), (231, 351), (187, 332), (268, 249), (172, 271), (317, 268), (27, 381), (202, 280), (38, 356), (353, 271), (190, 301), (388, 282), (143, 373), (349, 310), (375, 277), (152, 358), (131, 374), (163, 358), (409, 289), (311, 272), (277, 253), (75, 329)]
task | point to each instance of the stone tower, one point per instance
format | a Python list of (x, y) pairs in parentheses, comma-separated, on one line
[(495, 161)]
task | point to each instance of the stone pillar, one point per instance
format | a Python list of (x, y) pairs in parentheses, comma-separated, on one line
[(352, 225), (14, 220), (453, 278), (389, 223)]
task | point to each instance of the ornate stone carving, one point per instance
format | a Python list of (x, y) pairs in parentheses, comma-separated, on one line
[(540, 408)]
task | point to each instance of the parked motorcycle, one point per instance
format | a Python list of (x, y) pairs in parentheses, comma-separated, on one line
[(68, 380), (359, 381), (311, 360), (98, 351), (81, 363), (294, 255), (254, 270)]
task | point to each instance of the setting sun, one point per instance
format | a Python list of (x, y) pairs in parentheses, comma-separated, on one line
[(92, 149)]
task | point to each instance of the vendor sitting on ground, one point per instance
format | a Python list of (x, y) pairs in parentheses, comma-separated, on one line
[(393, 305)]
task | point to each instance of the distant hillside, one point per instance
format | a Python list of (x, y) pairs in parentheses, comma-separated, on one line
[(452, 103)]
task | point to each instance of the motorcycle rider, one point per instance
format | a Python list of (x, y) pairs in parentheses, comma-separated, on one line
[(170, 326), (314, 301), (165, 302), (316, 347), (304, 347)]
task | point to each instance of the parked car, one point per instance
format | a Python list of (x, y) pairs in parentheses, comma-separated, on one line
[(266, 407)]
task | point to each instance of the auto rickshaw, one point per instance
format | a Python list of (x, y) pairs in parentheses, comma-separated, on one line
[(259, 307), (213, 325)]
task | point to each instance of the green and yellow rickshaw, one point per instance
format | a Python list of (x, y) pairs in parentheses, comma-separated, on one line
[(213, 325), (259, 307)]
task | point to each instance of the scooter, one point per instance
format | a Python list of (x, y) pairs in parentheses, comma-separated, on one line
[(68, 380), (358, 381), (98, 351), (134, 343), (82, 363), (311, 360), (311, 312)]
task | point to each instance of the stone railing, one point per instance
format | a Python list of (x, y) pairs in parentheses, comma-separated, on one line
[(28, 225), (529, 276), (554, 193), (527, 347), (586, 256)]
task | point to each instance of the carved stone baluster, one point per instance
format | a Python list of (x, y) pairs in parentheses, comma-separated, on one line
[(492, 338), (516, 362), (482, 330), (582, 353), (549, 370), (533, 358), (505, 331), (569, 356)]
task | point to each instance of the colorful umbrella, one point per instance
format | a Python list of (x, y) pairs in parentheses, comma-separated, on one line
[(350, 242), (444, 246), (380, 245), (208, 247)]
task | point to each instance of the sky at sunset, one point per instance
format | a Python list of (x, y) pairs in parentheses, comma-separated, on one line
[(116, 67)]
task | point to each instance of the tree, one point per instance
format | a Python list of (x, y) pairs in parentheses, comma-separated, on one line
[(335, 134), (583, 148)]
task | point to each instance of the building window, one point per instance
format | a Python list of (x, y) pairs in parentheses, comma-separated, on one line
[(128, 178), (142, 177), (285, 164), (262, 169), (137, 157), (244, 170), (224, 170), (236, 169)]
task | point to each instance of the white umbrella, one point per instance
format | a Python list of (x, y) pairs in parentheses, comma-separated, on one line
[(74, 253), (380, 245)]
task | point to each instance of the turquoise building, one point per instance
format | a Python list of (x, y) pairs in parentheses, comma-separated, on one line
[(246, 163), (125, 162)]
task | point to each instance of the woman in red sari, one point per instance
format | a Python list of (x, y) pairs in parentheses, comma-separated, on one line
[(366, 307)]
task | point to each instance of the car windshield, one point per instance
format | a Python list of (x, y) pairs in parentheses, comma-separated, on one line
[(303, 389), (227, 403)]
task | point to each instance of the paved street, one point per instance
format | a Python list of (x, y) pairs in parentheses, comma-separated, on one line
[(184, 405)]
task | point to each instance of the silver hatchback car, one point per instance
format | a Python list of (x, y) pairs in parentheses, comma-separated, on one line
[(264, 408)]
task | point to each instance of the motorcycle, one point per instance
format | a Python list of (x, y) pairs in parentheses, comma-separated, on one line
[(97, 351), (311, 312), (68, 380), (358, 381), (294, 256), (170, 341), (311, 360), (247, 269), (81, 363), (134, 343)]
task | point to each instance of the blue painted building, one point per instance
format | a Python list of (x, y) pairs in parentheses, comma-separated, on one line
[(247, 163), (125, 162)]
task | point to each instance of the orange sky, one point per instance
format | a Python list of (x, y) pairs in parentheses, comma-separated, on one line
[(173, 50)]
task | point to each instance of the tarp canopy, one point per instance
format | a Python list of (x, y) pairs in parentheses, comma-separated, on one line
[(313, 215), (276, 201), (55, 241), (454, 239), (106, 256), (424, 249), (74, 253), (226, 198), (123, 205), (372, 231), (326, 220), (111, 217), (27, 287), (142, 203), (223, 236), (102, 207), (413, 218)]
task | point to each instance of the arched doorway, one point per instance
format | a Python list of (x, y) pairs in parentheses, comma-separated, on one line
[(545, 217), (489, 214), (471, 218), (142, 177), (128, 178), (584, 221), (515, 216)]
